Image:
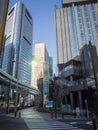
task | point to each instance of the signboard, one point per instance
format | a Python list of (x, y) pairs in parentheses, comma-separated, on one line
[(65, 108), (49, 104), (46, 79)]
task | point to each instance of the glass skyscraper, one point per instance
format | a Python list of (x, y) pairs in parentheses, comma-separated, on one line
[(76, 25), (18, 44)]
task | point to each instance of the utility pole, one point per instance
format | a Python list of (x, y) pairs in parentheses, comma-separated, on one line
[(55, 97)]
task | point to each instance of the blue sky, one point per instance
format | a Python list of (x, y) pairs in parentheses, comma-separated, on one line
[(42, 12)]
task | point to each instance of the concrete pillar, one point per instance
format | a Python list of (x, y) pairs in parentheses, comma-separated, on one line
[(66, 102), (71, 99), (71, 80), (80, 100)]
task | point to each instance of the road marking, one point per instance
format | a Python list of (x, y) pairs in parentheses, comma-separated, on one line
[(89, 123), (72, 123)]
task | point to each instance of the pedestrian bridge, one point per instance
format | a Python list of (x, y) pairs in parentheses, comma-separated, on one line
[(8, 81)]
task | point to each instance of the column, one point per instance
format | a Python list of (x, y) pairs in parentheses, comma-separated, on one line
[(71, 99), (71, 80), (80, 100), (66, 102)]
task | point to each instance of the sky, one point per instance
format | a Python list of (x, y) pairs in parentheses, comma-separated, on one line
[(42, 12)]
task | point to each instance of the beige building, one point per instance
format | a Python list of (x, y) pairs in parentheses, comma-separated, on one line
[(41, 58), (76, 25)]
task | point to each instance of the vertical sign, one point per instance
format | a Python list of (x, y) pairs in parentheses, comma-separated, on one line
[(46, 79)]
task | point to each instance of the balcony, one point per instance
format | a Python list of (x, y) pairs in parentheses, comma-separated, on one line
[(72, 68)]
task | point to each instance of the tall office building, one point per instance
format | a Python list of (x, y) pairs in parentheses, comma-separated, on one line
[(18, 43), (41, 70), (76, 25), (3, 14), (41, 61)]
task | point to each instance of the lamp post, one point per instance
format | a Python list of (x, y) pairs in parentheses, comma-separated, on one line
[(9, 89), (55, 97), (7, 111), (16, 96)]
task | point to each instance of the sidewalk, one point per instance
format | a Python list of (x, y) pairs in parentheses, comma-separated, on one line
[(32, 113)]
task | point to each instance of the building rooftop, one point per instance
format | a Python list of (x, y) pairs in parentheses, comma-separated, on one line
[(68, 2)]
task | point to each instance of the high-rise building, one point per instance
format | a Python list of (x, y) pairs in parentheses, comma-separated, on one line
[(41, 61), (3, 14), (41, 71), (18, 43), (76, 25)]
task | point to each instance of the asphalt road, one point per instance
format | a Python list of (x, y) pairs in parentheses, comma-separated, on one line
[(11, 123), (82, 124)]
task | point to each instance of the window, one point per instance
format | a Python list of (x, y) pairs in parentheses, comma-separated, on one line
[(11, 11)]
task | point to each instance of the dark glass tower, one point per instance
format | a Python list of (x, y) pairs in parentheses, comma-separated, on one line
[(18, 43)]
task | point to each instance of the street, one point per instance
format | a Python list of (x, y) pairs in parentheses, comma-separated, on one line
[(11, 123), (34, 120), (83, 124)]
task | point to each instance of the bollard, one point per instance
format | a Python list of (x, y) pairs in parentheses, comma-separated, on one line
[(62, 116), (19, 114), (94, 124), (51, 114), (15, 114)]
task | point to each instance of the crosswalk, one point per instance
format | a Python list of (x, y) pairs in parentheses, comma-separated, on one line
[(41, 124), (37, 121)]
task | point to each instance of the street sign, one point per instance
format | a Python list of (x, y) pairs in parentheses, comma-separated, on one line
[(49, 104), (46, 79), (65, 108)]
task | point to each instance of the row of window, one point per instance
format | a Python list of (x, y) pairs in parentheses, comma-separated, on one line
[(74, 31)]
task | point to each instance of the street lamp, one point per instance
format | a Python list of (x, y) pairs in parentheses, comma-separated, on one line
[(55, 97), (9, 89), (16, 96), (7, 110)]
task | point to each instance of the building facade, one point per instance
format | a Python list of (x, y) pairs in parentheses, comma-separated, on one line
[(89, 61), (41, 71), (18, 43), (76, 25), (81, 80), (41, 59)]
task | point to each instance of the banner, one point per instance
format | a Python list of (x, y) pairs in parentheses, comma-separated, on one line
[(46, 79)]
